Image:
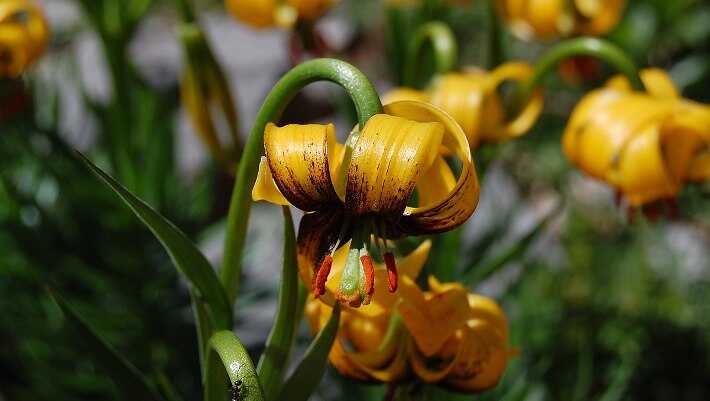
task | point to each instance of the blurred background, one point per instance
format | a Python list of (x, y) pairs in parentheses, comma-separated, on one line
[(600, 309)]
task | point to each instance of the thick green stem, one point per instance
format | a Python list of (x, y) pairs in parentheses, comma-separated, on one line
[(587, 46), (442, 41), (367, 103)]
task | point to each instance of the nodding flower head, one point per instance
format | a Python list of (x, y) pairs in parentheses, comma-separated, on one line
[(646, 145), (550, 19), (471, 98), (358, 198), (283, 13), (445, 336), (23, 36)]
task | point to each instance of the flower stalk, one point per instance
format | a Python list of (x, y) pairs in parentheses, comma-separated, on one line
[(367, 104), (442, 42), (585, 46)]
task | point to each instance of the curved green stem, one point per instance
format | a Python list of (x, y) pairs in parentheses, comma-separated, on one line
[(367, 103), (237, 364), (586, 46), (442, 41)]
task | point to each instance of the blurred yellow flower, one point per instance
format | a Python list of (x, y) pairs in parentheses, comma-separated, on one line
[(23, 36), (357, 196), (283, 13), (471, 97), (548, 19), (646, 145), (445, 336), (205, 94)]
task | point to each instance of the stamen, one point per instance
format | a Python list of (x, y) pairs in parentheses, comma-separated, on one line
[(321, 276), (392, 281), (369, 284)]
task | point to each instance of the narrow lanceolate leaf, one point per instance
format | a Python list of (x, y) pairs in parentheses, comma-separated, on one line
[(183, 252), (130, 383), (237, 364), (305, 379), (480, 272), (278, 347)]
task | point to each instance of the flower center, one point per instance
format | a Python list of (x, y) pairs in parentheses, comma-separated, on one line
[(357, 282)]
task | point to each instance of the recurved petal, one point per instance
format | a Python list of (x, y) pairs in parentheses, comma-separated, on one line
[(656, 81), (455, 207), (404, 93), (526, 118), (486, 360), (386, 364), (317, 314), (265, 188), (432, 318), (299, 157), (387, 160), (436, 183), (443, 366)]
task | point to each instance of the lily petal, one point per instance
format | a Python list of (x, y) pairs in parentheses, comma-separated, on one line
[(403, 93), (436, 183), (387, 160), (486, 361), (299, 157), (432, 320), (265, 188), (527, 117), (461, 201), (656, 81)]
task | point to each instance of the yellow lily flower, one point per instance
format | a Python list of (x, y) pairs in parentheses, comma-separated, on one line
[(283, 13), (646, 145), (548, 19), (445, 336), (471, 98), (356, 197), (23, 36)]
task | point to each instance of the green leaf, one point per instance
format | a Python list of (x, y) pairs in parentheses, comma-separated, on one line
[(186, 257), (274, 360), (480, 272), (237, 364), (130, 383), (305, 379)]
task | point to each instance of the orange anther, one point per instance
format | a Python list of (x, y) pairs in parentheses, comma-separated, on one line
[(391, 272), (321, 276), (369, 266)]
